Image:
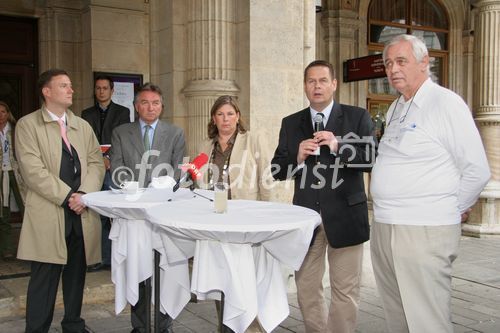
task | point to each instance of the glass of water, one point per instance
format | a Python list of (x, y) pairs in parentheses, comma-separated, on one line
[(220, 198)]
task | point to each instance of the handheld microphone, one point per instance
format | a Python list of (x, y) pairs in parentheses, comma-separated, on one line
[(193, 172), (318, 122), (318, 126)]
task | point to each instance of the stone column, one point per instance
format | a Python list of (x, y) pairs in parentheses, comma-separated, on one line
[(211, 63), (485, 218), (344, 40)]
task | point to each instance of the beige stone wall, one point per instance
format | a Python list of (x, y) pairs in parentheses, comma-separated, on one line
[(168, 56), (116, 40), (123, 45), (281, 44), (60, 44)]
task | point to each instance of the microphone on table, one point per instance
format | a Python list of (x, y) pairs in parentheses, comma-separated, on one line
[(193, 172)]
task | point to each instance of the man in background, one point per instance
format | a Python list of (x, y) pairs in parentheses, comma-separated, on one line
[(328, 175), (430, 170), (60, 160), (103, 117), (147, 147)]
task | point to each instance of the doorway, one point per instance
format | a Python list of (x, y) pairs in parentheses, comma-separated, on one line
[(19, 64), (18, 76)]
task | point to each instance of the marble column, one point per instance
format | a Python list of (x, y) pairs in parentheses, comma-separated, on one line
[(211, 63), (485, 218)]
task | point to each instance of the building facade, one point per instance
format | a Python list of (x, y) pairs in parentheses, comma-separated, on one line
[(197, 50)]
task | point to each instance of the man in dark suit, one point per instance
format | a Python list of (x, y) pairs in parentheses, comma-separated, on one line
[(103, 117), (141, 150), (331, 183)]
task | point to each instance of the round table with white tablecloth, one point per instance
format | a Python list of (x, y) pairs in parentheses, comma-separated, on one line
[(239, 253), (133, 241)]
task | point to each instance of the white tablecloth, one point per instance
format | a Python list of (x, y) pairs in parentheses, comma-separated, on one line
[(132, 247), (238, 253)]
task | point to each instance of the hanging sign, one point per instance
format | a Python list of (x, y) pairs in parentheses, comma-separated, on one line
[(364, 68)]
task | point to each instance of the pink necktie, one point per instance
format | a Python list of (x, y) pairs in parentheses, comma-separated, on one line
[(62, 126)]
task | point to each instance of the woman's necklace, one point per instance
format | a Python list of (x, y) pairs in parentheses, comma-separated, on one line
[(225, 166)]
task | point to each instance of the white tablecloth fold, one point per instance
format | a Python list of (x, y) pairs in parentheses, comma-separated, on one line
[(132, 259), (229, 268), (175, 290), (271, 290)]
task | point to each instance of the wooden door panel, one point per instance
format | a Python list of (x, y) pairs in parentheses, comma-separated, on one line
[(17, 88), (19, 63)]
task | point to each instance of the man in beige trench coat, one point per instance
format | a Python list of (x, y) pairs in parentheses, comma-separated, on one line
[(59, 159)]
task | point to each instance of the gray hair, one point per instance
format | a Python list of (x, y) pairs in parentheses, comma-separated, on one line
[(148, 86), (418, 47)]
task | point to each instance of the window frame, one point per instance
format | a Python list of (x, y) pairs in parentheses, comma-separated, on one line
[(373, 47)]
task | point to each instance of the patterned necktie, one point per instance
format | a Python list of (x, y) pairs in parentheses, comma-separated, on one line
[(64, 136), (147, 144)]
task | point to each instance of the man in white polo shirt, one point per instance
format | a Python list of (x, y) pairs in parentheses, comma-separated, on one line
[(430, 169)]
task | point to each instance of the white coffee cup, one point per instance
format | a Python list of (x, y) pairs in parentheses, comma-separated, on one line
[(129, 187)]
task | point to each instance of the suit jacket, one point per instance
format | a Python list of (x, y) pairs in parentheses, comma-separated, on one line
[(249, 172), (335, 188), (116, 116), (39, 151), (70, 173), (127, 151)]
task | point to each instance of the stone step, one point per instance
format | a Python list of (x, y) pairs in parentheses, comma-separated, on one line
[(98, 289)]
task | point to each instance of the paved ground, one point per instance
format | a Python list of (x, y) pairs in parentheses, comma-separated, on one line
[(476, 300)]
